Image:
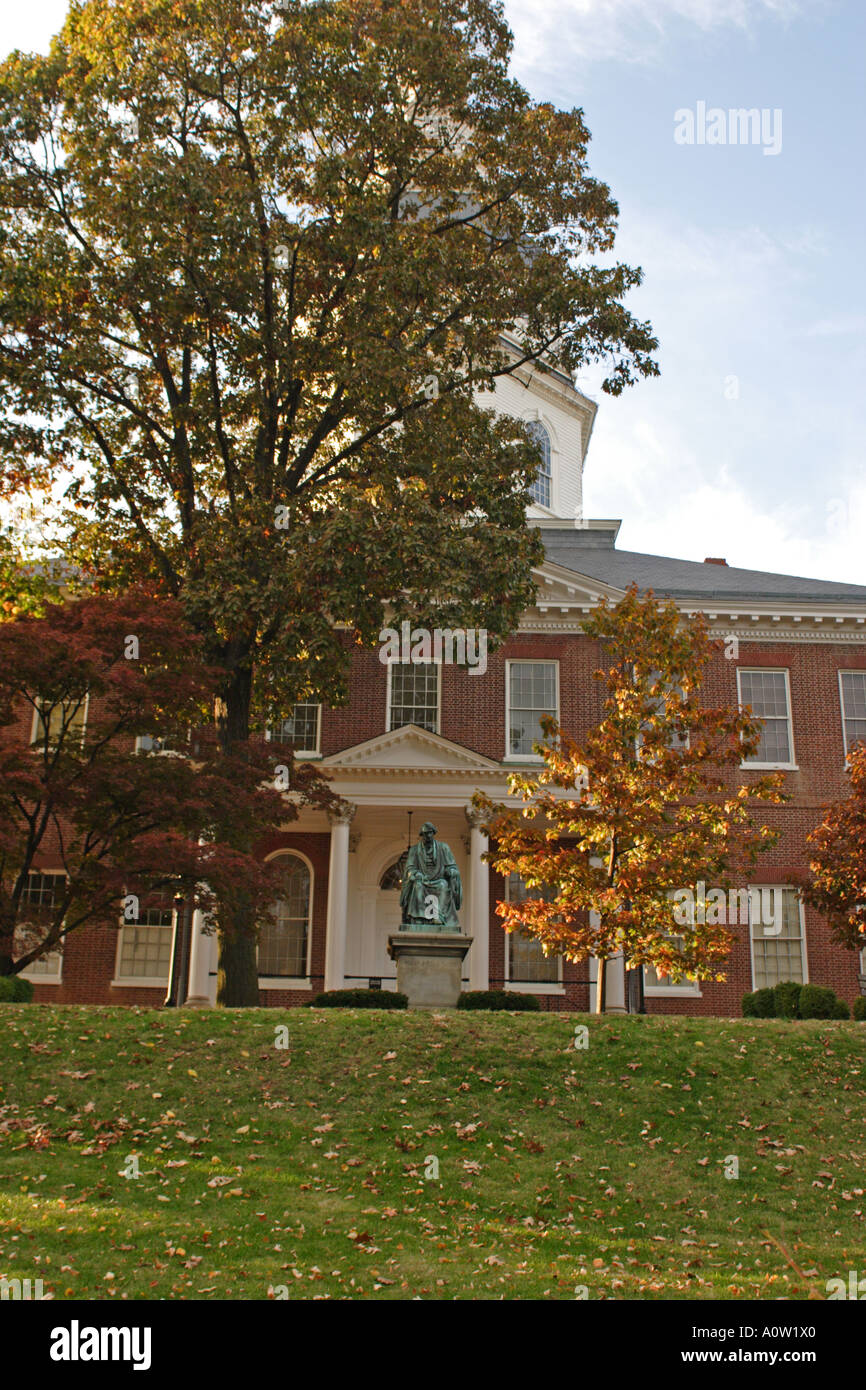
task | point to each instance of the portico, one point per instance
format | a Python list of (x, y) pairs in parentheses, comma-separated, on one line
[(379, 783)]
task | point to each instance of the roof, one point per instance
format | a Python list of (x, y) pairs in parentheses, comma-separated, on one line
[(591, 552)]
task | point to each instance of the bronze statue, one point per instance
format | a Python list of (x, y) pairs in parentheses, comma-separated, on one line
[(431, 893)]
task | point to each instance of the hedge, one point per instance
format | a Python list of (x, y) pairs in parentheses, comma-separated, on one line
[(360, 999), (15, 990), (498, 999), (792, 1000)]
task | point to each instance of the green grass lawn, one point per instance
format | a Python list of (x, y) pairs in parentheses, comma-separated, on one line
[(312, 1168)]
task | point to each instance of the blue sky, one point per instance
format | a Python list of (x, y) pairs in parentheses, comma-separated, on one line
[(753, 265), (750, 445)]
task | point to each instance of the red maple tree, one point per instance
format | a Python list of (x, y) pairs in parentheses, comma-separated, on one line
[(83, 691)]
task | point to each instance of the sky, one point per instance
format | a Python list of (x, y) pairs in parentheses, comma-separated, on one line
[(750, 443)]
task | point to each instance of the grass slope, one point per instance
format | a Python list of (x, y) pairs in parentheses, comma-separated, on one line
[(303, 1170)]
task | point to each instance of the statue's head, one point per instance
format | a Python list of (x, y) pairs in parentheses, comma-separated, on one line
[(427, 831)]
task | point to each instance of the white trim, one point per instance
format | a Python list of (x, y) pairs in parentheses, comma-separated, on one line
[(689, 989), (389, 665), (530, 758), (145, 981), (293, 981), (804, 954), (527, 987), (286, 982), (791, 765)]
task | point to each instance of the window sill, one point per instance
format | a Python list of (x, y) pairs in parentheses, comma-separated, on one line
[(41, 979), (671, 992), (286, 982), (526, 987), (140, 982), (770, 767)]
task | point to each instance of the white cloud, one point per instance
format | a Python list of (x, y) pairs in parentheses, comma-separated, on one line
[(628, 30), (31, 27), (670, 507)]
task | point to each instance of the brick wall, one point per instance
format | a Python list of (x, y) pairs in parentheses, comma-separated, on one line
[(473, 715)]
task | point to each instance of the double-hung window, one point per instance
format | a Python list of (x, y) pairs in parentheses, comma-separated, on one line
[(778, 936), (43, 894), (144, 952), (533, 694), (852, 693), (300, 729), (526, 963), (769, 695), (413, 694)]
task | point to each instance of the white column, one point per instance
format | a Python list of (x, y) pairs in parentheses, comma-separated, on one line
[(615, 985), (338, 896), (199, 964), (478, 903)]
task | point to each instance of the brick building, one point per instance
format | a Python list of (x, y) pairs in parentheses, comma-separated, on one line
[(421, 738)]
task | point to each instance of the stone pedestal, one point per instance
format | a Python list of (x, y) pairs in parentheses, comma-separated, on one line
[(429, 967)]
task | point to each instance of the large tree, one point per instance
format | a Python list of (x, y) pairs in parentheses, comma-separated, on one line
[(648, 805), (257, 263), (78, 687), (837, 863)]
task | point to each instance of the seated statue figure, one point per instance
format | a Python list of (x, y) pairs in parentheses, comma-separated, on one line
[(431, 891)]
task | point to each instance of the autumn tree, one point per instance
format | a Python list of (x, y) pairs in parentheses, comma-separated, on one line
[(837, 863), (648, 804), (78, 687), (259, 263)]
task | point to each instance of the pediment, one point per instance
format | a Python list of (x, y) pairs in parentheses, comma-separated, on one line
[(409, 749), (567, 590)]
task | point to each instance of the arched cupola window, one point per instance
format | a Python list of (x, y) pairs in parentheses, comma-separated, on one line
[(540, 489)]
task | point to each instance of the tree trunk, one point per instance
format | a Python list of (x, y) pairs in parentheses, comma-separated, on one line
[(237, 971), (601, 988), (634, 991)]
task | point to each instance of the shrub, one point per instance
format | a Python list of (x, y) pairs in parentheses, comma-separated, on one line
[(860, 1009), (841, 1010), (761, 1004), (817, 1001), (497, 999), (786, 999), (360, 999), (15, 990)]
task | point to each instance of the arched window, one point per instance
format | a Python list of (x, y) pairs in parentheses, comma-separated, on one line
[(284, 938), (540, 489), (393, 875)]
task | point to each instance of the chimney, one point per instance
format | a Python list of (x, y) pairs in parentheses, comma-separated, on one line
[(714, 560)]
